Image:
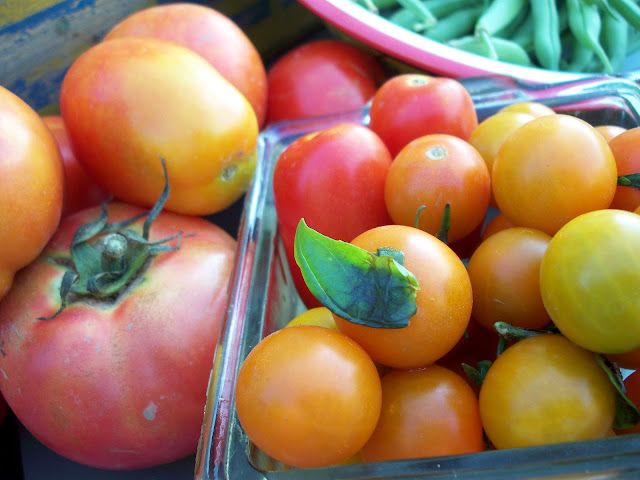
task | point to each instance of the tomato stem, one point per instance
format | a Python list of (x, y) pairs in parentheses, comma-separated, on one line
[(106, 257), (632, 180)]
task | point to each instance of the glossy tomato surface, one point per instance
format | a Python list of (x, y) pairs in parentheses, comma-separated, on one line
[(425, 413), (444, 300), (408, 106), (551, 170), (590, 280), (626, 150), (334, 179), (209, 33), (32, 186), (119, 382), (321, 77), (308, 396), (80, 190), (128, 101), (545, 390), (433, 171)]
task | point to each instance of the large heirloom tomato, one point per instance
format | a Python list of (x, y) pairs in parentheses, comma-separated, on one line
[(127, 101), (31, 186), (334, 179), (212, 35), (117, 380)]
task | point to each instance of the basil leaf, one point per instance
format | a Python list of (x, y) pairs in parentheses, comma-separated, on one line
[(372, 289)]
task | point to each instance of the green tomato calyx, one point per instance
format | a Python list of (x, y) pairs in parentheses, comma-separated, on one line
[(106, 257), (371, 289)]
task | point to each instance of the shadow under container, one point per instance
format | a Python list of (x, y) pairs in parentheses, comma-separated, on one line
[(263, 299)]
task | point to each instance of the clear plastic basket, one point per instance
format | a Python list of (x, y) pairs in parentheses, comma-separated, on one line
[(263, 299)]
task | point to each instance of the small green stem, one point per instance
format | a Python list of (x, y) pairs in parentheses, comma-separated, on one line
[(632, 180)]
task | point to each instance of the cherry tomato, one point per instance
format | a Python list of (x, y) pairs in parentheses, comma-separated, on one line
[(551, 170), (432, 171), (308, 396), (32, 186), (334, 179), (590, 280), (544, 390), (489, 135), (632, 390), (80, 190), (536, 109), (497, 223), (412, 105), (626, 150), (425, 413), (321, 77), (319, 316), (444, 300), (505, 278), (210, 34), (629, 360), (127, 101), (609, 132)]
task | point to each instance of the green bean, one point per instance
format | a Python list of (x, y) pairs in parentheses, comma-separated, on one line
[(499, 48), (376, 5), (454, 25), (546, 39), (497, 15), (523, 35), (420, 10), (581, 56), (442, 8), (629, 10), (615, 40), (406, 19), (510, 29), (586, 24)]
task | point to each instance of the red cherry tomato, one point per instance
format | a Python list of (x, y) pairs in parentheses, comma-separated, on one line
[(409, 106), (334, 179)]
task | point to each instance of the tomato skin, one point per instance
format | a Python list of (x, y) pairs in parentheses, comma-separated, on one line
[(609, 132), (210, 34), (551, 170), (536, 109), (32, 186), (544, 390), (432, 171), (626, 150), (496, 224), (321, 77), (505, 278), (410, 105), (112, 111), (334, 179), (425, 413), (590, 280), (308, 396), (80, 190), (138, 370), (443, 299)]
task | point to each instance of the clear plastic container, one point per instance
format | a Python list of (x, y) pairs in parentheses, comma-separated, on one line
[(263, 299)]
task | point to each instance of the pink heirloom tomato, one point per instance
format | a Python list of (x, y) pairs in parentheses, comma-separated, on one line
[(118, 379)]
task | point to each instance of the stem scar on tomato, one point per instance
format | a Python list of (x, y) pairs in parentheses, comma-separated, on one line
[(372, 289), (102, 269)]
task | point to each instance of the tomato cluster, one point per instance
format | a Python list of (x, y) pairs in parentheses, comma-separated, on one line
[(486, 268)]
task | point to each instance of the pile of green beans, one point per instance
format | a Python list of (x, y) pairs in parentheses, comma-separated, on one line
[(568, 35)]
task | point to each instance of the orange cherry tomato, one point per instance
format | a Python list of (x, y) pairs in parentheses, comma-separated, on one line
[(536, 109), (308, 396), (444, 300), (432, 171), (626, 150), (609, 132), (551, 170), (425, 413), (505, 277)]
